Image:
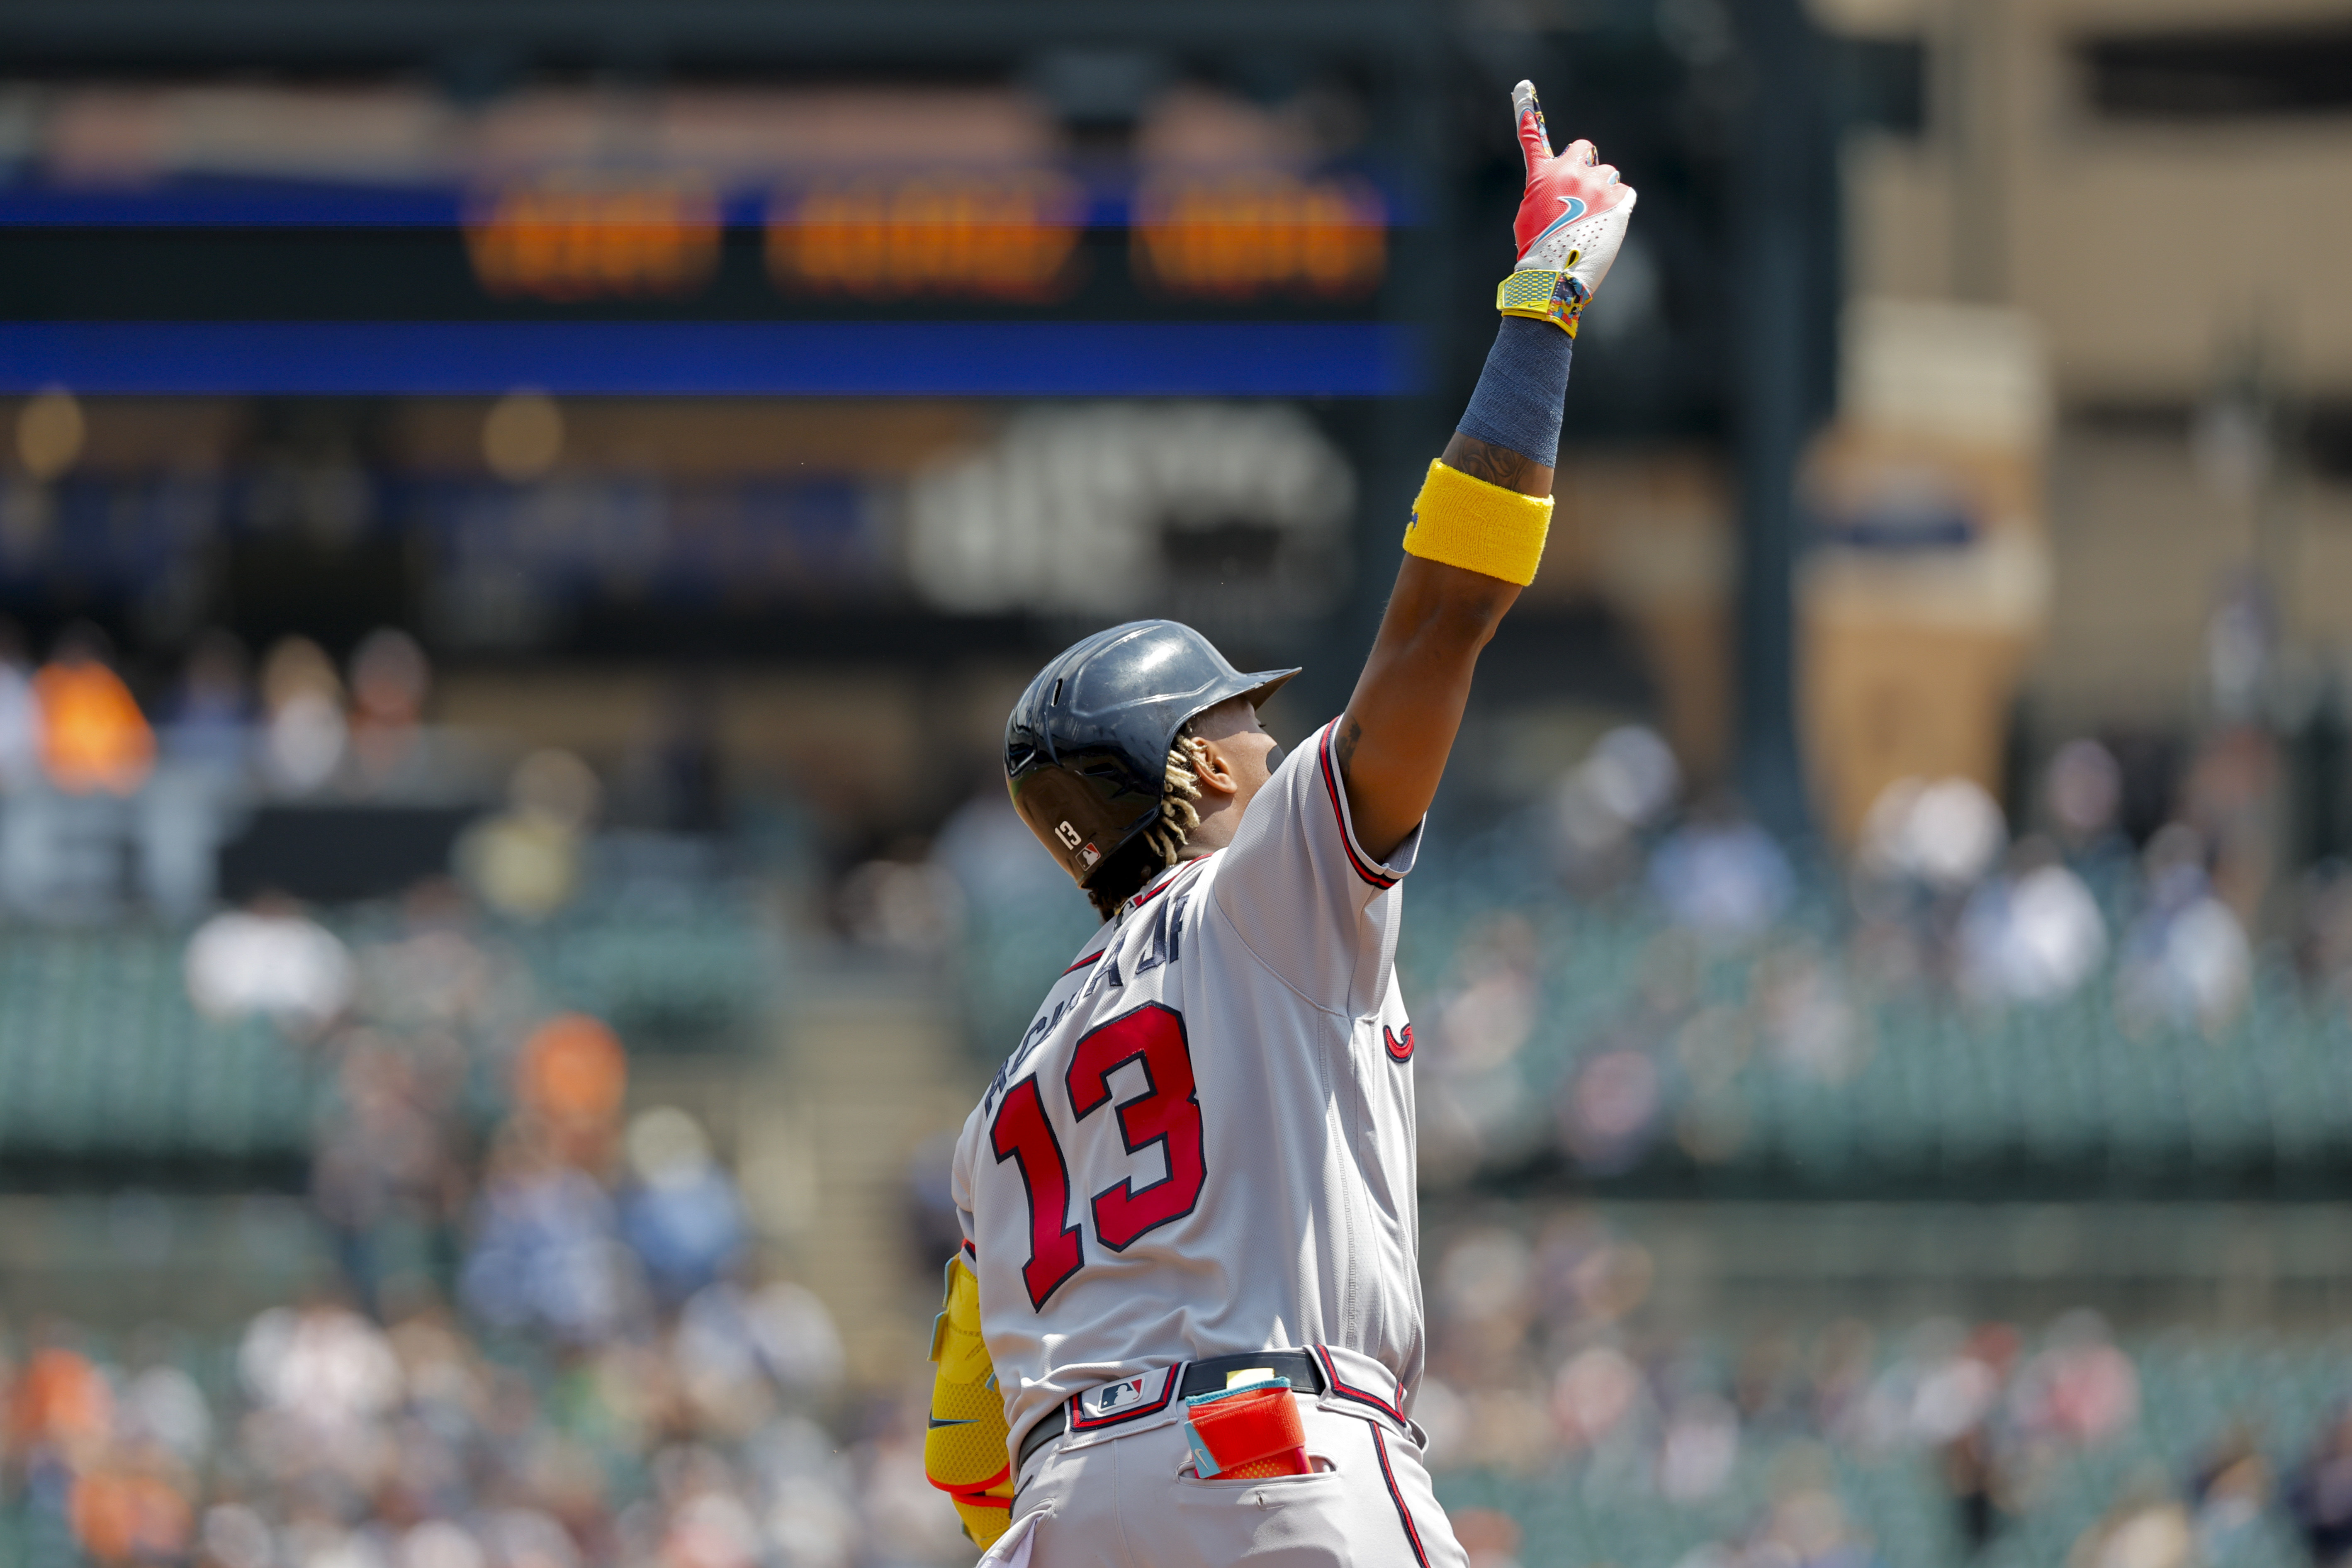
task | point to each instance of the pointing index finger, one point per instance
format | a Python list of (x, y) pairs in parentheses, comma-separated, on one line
[(1535, 143)]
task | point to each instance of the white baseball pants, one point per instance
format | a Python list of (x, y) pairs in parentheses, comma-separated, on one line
[(1134, 1502)]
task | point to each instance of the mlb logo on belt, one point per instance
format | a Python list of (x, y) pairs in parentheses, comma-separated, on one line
[(1110, 1397), (1109, 1402)]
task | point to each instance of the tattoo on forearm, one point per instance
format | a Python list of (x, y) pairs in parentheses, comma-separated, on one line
[(1344, 742), (1485, 460)]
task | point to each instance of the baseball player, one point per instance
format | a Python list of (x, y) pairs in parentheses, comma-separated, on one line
[(1185, 1326)]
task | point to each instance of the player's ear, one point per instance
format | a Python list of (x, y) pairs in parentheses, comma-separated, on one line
[(1216, 769)]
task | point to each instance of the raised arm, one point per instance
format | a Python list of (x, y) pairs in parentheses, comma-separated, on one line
[(1479, 524)]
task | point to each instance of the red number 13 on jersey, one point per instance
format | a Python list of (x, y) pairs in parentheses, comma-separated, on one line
[(1166, 1114)]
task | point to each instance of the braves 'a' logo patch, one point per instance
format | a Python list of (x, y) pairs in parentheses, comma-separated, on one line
[(1127, 1398), (1400, 1046)]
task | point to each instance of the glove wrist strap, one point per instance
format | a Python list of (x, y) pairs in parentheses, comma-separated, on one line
[(1543, 294)]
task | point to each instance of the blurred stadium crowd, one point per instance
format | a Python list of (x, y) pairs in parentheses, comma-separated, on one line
[(1558, 1412), (546, 1340), (550, 1339)]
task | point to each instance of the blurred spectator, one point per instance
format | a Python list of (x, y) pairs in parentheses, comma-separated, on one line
[(992, 853), (1481, 1023), (1809, 1023), (1809, 1528), (545, 1256), (272, 960), (2034, 935), (2319, 1497), (321, 1370), (1596, 1392), (907, 902), (1700, 1448), (162, 1405), (2240, 638), (2185, 960), (305, 733), (93, 736), (20, 714), (384, 1176), (1625, 785), (1972, 1474), (2143, 1532), (2228, 1491), (739, 1348), (1610, 1110), (2079, 1389), (572, 1076), (1942, 834), (1489, 1538), (187, 810), (2323, 948), (526, 861), (681, 1214), (211, 711), (2084, 790), (60, 1408), (670, 777), (132, 1507), (1724, 878), (2235, 797), (390, 679)]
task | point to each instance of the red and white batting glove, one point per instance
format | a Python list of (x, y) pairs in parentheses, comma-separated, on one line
[(1572, 218)]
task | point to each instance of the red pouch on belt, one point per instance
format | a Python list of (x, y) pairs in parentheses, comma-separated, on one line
[(1246, 1434)]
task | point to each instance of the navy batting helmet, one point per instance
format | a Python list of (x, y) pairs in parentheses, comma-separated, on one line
[(1086, 751)]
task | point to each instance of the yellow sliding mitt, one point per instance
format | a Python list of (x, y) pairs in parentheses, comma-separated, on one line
[(964, 1452)]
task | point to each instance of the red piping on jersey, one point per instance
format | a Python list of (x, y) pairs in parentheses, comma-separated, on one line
[(1094, 957), (1347, 1390), (1377, 879), (1167, 880), (1412, 1534), (969, 1247)]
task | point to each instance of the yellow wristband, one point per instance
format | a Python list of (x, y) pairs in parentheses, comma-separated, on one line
[(1462, 521)]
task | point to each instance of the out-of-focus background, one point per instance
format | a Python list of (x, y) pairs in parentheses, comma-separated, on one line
[(520, 525)]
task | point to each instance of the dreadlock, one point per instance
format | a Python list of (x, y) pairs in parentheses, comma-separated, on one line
[(1161, 845)]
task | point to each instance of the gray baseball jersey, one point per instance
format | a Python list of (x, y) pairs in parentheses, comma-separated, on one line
[(1203, 1144)]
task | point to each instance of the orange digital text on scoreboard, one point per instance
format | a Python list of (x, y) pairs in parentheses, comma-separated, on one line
[(1247, 235), (1010, 236), (568, 242)]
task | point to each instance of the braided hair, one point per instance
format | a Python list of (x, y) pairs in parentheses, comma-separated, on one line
[(1161, 845)]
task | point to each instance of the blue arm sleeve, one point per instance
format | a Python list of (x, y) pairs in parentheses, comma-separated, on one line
[(1517, 400)]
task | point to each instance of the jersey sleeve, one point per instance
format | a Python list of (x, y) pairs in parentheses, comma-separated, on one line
[(1301, 893), (960, 1183)]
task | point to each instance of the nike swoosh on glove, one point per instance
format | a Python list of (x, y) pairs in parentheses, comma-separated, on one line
[(1573, 213)]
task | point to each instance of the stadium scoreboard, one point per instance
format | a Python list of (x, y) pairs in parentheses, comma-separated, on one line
[(1157, 284)]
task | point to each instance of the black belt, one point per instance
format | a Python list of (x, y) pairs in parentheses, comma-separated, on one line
[(1199, 1377)]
